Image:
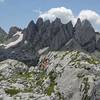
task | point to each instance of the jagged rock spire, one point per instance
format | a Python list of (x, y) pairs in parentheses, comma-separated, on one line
[(85, 35)]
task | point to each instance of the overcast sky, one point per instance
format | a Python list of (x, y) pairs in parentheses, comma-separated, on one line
[(20, 12)]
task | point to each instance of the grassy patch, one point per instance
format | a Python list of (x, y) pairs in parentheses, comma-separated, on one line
[(26, 90), (60, 96), (12, 91), (85, 89), (92, 61), (50, 89), (64, 55)]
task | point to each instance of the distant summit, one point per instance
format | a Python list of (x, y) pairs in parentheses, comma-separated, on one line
[(13, 30)]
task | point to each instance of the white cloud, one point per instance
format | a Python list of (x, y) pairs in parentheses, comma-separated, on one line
[(2, 0), (64, 14), (67, 15), (92, 16)]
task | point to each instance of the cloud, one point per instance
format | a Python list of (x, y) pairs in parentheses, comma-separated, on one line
[(67, 15), (92, 16), (2, 0), (63, 13)]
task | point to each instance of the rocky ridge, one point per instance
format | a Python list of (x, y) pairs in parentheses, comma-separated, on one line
[(54, 35)]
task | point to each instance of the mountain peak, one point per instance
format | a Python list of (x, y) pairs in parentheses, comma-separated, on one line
[(31, 26), (86, 23), (57, 21), (13, 30), (31, 23), (39, 22), (78, 23)]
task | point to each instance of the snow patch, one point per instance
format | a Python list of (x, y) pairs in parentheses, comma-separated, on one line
[(2, 45), (16, 41)]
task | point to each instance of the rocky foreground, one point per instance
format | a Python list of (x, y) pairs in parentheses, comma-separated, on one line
[(66, 75)]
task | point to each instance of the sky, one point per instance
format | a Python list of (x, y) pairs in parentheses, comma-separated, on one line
[(21, 12)]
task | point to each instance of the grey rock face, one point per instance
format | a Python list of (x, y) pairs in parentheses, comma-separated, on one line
[(53, 35), (63, 34), (30, 32), (42, 34), (39, 22), (56, 35), (69, 28), (72, 44), (85, 35)]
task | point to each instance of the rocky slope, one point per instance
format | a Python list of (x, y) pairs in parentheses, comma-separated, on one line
[(66, 75), (50, 61)]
